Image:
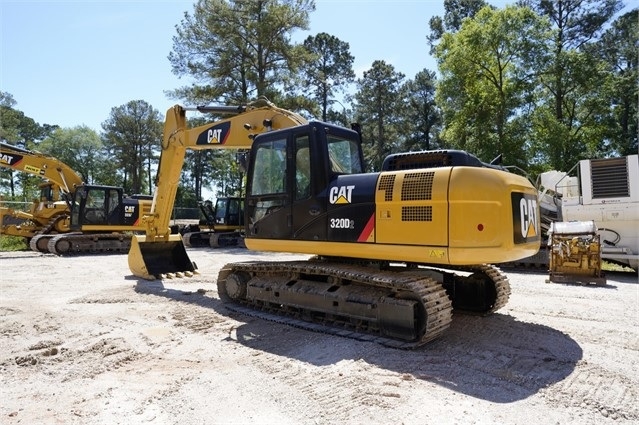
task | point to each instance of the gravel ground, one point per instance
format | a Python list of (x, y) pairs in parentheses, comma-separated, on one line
[(85, 342)]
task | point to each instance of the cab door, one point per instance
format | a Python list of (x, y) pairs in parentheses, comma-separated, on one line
[(268, 206), (308, 211)]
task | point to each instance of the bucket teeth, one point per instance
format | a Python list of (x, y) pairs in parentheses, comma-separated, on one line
[(159, 259)]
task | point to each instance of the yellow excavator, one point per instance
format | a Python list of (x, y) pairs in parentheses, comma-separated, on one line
[(222, 226), (384, 243), (47, 214), (50, 214), (73, 217)]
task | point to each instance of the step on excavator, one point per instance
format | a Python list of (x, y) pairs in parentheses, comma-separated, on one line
[(392, 252), (73, 217)]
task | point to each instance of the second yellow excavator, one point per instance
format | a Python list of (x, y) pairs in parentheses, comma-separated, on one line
[(73, 217), (384, 243), (222, 226)]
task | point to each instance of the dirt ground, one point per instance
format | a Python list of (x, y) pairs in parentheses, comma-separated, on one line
[(85, 342)]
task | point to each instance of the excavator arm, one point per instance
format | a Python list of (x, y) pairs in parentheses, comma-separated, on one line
[(49, 213), (39, 164), (158, 252)]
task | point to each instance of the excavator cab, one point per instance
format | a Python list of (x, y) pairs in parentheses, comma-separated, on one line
[(290, 177), (101, 208), (226, 215), (307, 193), (229, 214), (97, 206)]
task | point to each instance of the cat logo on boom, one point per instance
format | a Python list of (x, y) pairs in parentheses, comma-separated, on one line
[(215, 135), (6, 159)]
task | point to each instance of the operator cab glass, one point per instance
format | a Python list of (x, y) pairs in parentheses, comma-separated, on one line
[(97, 206), (288, 175)]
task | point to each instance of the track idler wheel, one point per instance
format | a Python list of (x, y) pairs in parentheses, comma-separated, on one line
[(39, 243), (475, 293), (233, 287), (59, 246)]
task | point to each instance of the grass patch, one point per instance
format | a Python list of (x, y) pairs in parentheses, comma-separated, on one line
[(13, 243), (611, 267)]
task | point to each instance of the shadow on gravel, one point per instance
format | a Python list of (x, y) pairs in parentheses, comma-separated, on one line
[(496, 358)]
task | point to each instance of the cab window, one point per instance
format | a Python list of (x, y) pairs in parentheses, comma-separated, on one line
[(269, 175)]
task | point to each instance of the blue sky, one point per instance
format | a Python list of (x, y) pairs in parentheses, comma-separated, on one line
[(69, 62)]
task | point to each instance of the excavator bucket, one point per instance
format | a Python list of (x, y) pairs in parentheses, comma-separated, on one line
[(151, 260)]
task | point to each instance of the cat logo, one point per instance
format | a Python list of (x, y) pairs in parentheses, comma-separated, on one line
[(6, 159), (341, 194), (525, 218), (214, 135)]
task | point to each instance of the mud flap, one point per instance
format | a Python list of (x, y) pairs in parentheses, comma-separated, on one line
[(150, 260)]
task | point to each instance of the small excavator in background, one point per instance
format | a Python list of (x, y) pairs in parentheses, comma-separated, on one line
[(222, 225), (48, 214), (77, 218), (384, 243)]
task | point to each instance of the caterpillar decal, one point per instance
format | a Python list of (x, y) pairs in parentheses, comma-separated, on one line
[(525, 218)]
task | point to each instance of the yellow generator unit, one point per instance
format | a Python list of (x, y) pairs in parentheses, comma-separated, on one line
[(575, 253)]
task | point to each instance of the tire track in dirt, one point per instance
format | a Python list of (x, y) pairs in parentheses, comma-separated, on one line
[(594, 388), (335, 388), (345, 394)]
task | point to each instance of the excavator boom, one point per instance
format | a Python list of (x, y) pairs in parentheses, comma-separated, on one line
[(39, 164), (158, 252)]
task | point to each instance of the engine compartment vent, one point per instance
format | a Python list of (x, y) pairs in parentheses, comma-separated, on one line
[(609, 178), (418, 186), (386, 183), (417, 213)]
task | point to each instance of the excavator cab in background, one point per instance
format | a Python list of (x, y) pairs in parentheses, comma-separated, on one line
[(102, 219), (222, 225), (228, 214), (95, 207)]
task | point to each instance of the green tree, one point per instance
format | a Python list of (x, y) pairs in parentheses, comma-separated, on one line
[(423, 117), (572, 81), (9, 118), (329, 68), (81, 149), (227, 173), (454, 13), (618, 49), (131, 137), (379, 107), (238, 50), (487, 82), (18, 129)]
